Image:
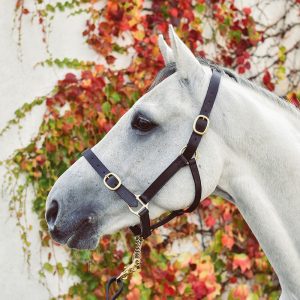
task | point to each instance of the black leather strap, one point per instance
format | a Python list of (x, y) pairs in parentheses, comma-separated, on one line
[(163, 178), (198, 187), (145, 225), (109, 284), (206, 108), (100, 168)]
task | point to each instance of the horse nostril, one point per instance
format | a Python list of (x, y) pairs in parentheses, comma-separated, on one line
[(52, 213)]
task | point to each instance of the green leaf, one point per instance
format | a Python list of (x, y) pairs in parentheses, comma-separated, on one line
[(145, 293), (253, 296), (60, 269), (200, 8), (50, 8), (106, 108), (116, 97), (85, 255), (235, 34), (274, 295), (281, 53), (48, 267), (217, 242), (108, 90), (219, 265)]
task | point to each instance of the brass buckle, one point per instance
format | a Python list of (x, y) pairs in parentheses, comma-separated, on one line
[(196, 154), (195, 123), (142, 203), (108, 186)]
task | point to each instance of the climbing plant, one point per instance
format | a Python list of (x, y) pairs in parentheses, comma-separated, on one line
[(82, 108)]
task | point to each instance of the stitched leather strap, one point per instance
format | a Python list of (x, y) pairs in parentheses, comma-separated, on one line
[(206, 108), (100, 168), (163, 178), (198, 187)]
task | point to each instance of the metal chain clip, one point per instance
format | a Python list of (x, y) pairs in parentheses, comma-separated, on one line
[(136, 260)]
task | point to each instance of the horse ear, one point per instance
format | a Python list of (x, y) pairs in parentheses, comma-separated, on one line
[(165, 50), (186, 62)]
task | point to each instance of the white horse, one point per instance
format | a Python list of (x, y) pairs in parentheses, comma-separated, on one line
[(249, 155)]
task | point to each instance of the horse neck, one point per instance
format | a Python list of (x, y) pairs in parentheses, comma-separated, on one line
[(261, 172)]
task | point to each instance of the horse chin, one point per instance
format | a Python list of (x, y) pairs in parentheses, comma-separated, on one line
[(77, 242)]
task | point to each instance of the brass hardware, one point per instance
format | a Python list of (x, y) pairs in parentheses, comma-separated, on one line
[(196, 154), (195, 123), (136, 260), (114, 175), (142, 203)]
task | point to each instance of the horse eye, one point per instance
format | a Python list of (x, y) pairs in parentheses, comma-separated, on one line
[(142, 123)]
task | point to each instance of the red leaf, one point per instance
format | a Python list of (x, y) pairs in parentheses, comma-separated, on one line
[(233, 279), (227, 215), (247, 10), (169, 290), (70, 78), (246, 54), (200, 289), (267, 81), (240, 60), (247, 65), (173, 12), (110, 59), (241, 69), (210, 221), (267, 77), (206, 202), (40, 159)]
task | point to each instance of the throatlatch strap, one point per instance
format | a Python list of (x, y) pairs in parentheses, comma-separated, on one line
[(206, 108), (198, 187), (100, 168)]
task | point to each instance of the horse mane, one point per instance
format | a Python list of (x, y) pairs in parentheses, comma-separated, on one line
[(170, 69)]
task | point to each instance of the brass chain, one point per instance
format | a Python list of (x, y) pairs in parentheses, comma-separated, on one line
[(136, 260)]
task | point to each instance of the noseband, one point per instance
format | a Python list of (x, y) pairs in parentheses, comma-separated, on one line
[(138, 204)]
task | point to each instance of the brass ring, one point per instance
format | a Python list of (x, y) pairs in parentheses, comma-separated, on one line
[(196, 154), (108, 186), (195, 123)]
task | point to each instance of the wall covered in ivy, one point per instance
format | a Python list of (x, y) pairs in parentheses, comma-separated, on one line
[(70, 71)]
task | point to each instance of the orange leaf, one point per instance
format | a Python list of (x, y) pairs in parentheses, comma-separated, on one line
[(241, 261), (134, 294), (227, 241), (241, 292)]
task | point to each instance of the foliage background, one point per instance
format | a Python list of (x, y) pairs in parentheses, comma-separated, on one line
[(224, 259)]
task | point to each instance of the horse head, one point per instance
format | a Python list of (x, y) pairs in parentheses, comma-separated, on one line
[(80, 207)]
